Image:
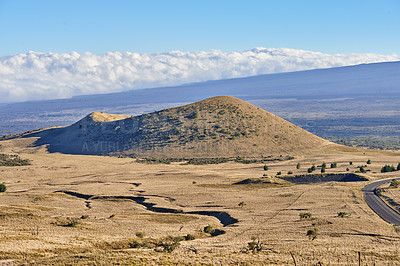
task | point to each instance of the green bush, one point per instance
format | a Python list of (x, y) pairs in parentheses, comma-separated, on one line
[(279, 173), (351, 163), (342, 214), (290, 173), (333, 165), (209, 229), (265, 167), (298, 166), (369, 161), (189, 237), (398, 167), (3, 187), (323, 170)]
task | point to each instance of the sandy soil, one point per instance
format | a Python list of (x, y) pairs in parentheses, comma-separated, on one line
[(100, 194)]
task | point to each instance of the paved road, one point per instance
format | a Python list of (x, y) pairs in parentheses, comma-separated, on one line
[(377, 205)]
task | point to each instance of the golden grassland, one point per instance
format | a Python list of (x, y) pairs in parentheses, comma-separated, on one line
[(75, 209)]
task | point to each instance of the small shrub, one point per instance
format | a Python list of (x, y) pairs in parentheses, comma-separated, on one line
[(333, 165), (254, 246), (313, 168), (84, 216), (169, 246), (189, 237), (362, 170), (290, 173), (312, 233), (3, 187), (139, 234), (209, 229), (351, 163), (279, 173), (347, 169), (398, 167), (342, 214), (241, 204), (265, 167), (309, 170), (323, 170), (368, 161), (111, 216), (305, 215), (298, 166), (323, 165), (194, 182)]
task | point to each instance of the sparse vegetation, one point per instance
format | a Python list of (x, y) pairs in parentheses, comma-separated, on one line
[(12, 160), (394, 183), (342, 214), (333, 165), (68, 222)]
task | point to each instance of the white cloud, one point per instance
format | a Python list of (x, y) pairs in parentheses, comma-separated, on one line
[(36, 76)]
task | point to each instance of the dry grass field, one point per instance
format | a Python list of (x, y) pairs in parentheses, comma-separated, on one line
[(76, 209)]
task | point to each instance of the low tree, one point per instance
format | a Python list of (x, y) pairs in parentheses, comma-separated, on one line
[(323, 165), (265, 167), (398, 167), (387, 168), (298, 166), (333, 165), (323, 170), (368, 161)]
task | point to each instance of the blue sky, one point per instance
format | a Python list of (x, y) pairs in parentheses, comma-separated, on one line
[(335, 26)]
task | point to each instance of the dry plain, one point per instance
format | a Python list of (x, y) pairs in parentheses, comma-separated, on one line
[(76, 209)]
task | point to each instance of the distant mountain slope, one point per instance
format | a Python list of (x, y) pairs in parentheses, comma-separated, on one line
[(360, 96), (220, 126)]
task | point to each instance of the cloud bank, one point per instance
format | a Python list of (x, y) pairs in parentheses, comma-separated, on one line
[(38, 76)]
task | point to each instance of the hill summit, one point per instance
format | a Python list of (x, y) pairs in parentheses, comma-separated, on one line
[(219, 126)]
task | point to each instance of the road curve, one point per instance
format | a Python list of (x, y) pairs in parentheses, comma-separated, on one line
[(378, 205)]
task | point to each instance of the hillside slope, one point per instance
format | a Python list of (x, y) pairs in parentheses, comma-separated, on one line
[(218, 126)]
